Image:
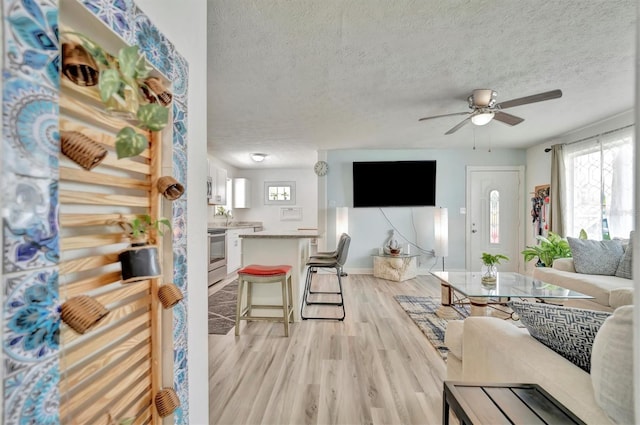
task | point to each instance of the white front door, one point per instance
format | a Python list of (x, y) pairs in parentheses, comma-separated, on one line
[(495, 210)]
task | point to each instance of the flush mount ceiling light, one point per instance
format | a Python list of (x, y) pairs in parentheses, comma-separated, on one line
[(482, 118), (258, 157)]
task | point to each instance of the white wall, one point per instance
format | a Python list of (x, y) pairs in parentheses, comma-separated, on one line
[(369, 227), (173, 18), (306, 198)]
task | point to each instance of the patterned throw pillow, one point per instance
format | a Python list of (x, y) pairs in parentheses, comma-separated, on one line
[(596, 257), (567, 331), (626, 263)]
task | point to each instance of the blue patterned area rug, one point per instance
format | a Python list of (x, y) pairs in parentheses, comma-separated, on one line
[(432, 317), (222, 309)]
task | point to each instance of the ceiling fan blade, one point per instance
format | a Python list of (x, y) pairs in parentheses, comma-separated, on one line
[(507, 118), (445, 115), (459, 126), (553, 94)]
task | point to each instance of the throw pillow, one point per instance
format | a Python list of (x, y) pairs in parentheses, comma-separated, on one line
[(567, 331), (611, 366), (596, 257), (626, 263)]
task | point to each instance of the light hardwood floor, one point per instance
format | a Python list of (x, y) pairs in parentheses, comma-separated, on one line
[(376, 367)]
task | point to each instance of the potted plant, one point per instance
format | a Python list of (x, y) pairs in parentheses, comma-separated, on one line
[(491, 262), (140, 260), (126, 88), (548, 249)]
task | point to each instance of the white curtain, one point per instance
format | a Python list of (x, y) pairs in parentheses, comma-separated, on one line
[(599, 195)]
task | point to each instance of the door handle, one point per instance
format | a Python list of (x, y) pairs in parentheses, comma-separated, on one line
[(474, 231)]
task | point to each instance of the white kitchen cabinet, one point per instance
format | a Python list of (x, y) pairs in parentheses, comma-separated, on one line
[(234, 248), (217, 185), (241, 193)]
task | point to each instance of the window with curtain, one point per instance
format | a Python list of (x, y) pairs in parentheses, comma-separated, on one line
[(599, 186)]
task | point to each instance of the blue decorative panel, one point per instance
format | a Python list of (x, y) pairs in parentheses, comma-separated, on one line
[(31, 40), (155, 46), (180, 79), (30, 223), (31, 142), (30, 347), (179, 126), (117, 14)]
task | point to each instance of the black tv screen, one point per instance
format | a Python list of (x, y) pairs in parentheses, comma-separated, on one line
[(394, 184)]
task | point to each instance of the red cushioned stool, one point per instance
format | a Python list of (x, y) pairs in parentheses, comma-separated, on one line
[(256, 274)]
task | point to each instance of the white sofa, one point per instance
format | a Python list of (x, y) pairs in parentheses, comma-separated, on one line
[(609, 291), (487, 349)]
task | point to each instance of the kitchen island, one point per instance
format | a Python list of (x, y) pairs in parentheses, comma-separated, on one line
[(274, 248)]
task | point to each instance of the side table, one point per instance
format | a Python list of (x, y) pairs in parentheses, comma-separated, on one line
[(395, 267), (503, 404)]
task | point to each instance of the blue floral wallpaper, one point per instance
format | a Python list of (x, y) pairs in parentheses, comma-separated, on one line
[(29, 148)]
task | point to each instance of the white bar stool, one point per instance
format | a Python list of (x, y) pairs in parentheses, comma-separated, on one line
[(256, 273)]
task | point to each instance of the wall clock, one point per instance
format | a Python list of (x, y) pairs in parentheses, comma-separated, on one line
[(321, 168)]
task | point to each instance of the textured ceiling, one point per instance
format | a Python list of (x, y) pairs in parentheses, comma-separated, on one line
[(289, 78)]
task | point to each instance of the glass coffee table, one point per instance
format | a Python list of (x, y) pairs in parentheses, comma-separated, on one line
[(507, 285)]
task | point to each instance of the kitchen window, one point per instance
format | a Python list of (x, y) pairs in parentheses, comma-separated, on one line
[(280, 193)]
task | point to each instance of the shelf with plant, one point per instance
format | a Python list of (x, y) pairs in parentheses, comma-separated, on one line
[(140, 261), (125, 85)]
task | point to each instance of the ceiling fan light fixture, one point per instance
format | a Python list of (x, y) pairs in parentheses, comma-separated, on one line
[(482, 118), (258, 157), (483, 98)]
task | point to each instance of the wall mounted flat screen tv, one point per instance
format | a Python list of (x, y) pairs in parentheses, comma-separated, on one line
[(394, 184)]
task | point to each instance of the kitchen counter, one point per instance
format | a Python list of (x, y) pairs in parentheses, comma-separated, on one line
[(283, 234), (234, 225)]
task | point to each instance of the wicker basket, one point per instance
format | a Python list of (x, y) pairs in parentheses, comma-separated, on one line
[(78, 65), (155, 91), (169, 295), (167, 401), (82, 150), (170, 188), (82, 312)]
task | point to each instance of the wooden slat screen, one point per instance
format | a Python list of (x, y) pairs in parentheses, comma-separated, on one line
[(112, 371)]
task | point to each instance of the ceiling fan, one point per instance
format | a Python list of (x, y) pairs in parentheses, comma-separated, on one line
[(484, 108)]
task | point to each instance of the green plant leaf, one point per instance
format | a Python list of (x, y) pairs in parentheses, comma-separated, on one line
[(164, 222), (583, 234), (142, 68), (109, 83), (127, 60), (153, 116), (126, 421), (129, 143), (491, 259)]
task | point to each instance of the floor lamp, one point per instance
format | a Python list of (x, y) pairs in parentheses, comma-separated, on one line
[(342, 225), (441, 233)]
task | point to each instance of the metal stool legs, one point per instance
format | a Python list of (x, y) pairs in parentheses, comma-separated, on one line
[(326, 262)]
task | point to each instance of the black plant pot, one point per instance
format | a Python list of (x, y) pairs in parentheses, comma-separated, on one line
[(139, 262)]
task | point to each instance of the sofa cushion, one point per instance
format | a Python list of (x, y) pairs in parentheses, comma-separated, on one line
[(626, 262), (597, 286), (567, 331), (596, 257), (611, 364), (621, 296), (564, 264)]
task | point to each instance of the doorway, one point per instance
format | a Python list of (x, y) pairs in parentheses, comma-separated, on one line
[(494, 216)]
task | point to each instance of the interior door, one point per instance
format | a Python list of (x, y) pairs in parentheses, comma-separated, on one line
[(494, 215)]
